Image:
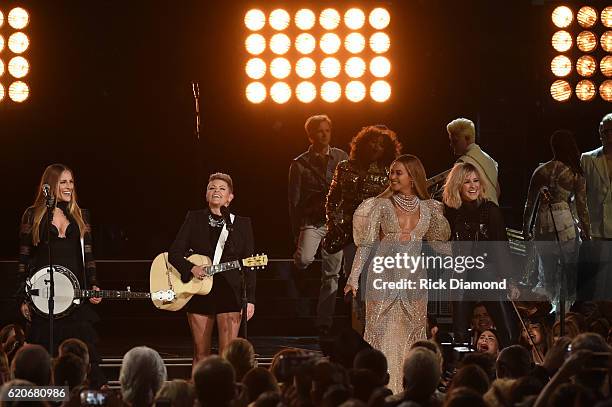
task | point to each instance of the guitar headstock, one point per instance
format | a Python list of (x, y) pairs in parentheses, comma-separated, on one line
[(260, 260)]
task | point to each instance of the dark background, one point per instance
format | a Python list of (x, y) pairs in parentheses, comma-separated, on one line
[(111, 98)]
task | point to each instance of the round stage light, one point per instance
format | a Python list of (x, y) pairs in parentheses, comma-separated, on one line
[(586, 66), (560, 90), (18, 67), (605, 90), (354, 43), (280, 68), (1, 22), (380, 91), (255, 19), (606, 41), (305, 92), (18, 91), (279, 19), (18, 42), (605, 66), (354, 18), (606, 17), (280, 92), (255, 68), (1, 68), (330, 43), (380, 67), (355, 91), (1, 43), (585, 90), (305, 68), (1, 92), (587, 16), (562, 41), (256, 92), (562, 16), (586, 41), (18, 18), (561, 66), (280, 44), (255, 44), (305, 19), (380, 42), (355, 67), (305, 43), (329, 19), (331, 91), (379, 18), (330, 67)]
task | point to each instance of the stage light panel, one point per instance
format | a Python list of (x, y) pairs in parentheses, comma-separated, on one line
[(18, 42), (1, 19), (1, 68), (329, 19), (2, 92), (379, 18), (605, 66), (586, 66), (18, 18), (585, 90), (606, 41), (587, 17), (306, 92), (256, 68), (1, 43), (330, 43), (354, 43), (280, 92), (561, 90), (380, 67), (256, 92), (606, 17), (305, 43), (255, 44), (280, 68), (279, 19), (18, 91), (305, 19), (255, 19), (380, 42), (355, 91), (331, 91), (354, 18), (586, 41), (562, 41), (562, 16), (18, 67), (561, 66), (305, 68), (330, 67), (355, 67), (605, 90), (380, 91), (280, 44)]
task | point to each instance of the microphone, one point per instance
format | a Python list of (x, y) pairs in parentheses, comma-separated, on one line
[(226, 216), (46, 189)]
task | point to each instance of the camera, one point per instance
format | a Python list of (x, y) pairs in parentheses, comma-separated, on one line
[(93, 398)]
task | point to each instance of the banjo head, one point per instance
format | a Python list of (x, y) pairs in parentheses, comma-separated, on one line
[(65, 284)]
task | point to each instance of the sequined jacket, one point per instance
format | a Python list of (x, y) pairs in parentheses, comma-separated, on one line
[(349, 188)]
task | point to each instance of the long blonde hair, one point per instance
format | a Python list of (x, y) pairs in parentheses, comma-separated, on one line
[(51, 176), (454, 182), (416, 170)]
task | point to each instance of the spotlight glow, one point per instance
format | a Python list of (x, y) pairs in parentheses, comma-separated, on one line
[(330, 67), (329, 19), (255, 19), (562, 41), (305, 43), (379, 18), (256, 92), (605, 66), (280, 68), (1, 23), (280, 92), (305, 19), (305, 68), (380, 91), (587, 17), (331, 91), (380, 67), (255, 44), (1, 43), (380, 42), (330, 43), (561, 66), (1, 68), (279, 19), (606, 41), (255, 68), (18, 67), (354, 18), (280, 44), (606, 17), (305, 92), (605, 90), (560, 90), (18, 18), (18, 42), (355, 67), (18, 91), (586, 66), (562, 16), (585, 90), (355, 91), (354, 43), (1, 92), (586, 41)]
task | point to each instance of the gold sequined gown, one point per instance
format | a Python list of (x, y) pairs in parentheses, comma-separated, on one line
[(395, 319)]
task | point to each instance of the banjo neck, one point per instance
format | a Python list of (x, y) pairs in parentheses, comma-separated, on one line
[(78, 293)]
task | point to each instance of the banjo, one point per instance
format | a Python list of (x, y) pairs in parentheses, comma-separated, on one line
[(68, 293)]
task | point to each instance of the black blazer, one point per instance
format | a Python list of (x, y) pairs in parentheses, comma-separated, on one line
[(195, 235)]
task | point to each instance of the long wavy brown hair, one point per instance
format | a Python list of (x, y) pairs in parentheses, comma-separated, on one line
[(51, 176), (415, 168)]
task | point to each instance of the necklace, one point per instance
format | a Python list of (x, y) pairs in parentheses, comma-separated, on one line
[(406, 203), (216, 223)]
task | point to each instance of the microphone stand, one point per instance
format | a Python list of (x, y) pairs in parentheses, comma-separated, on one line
[(50, 207)]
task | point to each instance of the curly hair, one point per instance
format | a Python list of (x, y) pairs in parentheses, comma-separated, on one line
[(360, 149)]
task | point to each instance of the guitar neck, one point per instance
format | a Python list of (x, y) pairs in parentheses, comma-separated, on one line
[(110, 294), (218, 268)]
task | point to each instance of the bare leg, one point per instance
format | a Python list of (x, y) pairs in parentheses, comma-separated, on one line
[(201, 331), (228, 324)]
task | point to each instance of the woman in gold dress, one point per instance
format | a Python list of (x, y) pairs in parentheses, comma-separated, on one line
[(393, 226)]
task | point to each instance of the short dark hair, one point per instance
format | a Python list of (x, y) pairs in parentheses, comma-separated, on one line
[(69, 370), (214, 380), (513, 362), (473, 377), (374, 361), (32, 363), (76, 347), (313, 122)]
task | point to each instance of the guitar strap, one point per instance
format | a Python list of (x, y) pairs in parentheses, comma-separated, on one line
[(221, 242)]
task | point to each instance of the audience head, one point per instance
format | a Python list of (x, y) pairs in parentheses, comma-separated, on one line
[(69, 370), (595, 372), (12, 338), (432, 346), (32, 363), (141, 376), (241, 355), (325, 375), (280, 368), (76, 347), (214, 380), (540, 333), (421, 374), (524, 387), (464, 397), (258, 381), (485, 360), (179, 393), (571, 394), (513, 362), (376, 362), (473, 377), (571, 329), (488, 342), (461, 134), (269, 399), (345, 347), (364, 382)]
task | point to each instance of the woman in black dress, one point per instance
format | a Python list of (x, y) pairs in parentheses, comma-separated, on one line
[(205, 232), (71, 243)]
